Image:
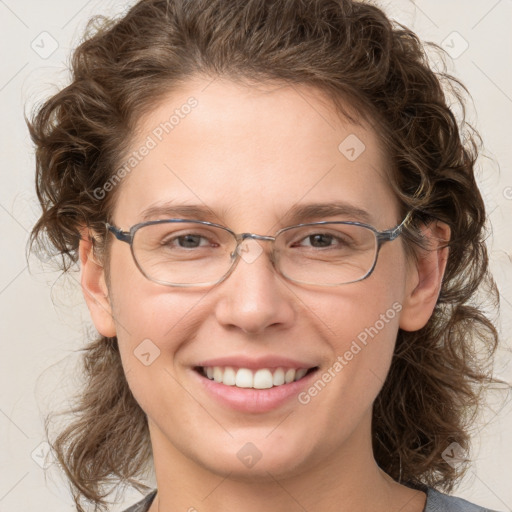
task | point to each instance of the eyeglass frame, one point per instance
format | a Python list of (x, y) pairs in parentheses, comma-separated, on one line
[(381, 237)]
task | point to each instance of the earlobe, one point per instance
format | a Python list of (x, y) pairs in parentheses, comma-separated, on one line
[(425, 277), (94, 287)]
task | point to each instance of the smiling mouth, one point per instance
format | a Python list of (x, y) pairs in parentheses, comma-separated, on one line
[(262, 378)]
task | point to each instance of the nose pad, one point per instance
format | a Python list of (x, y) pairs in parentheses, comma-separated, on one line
[(249, 253), (251, 248)]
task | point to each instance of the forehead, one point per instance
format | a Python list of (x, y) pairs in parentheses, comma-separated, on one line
[(251, 152)]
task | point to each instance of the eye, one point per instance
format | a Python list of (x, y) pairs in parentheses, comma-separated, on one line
[(320, 240), (187, 241)]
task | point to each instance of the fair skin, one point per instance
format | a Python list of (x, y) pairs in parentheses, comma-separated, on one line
[(249, 154)]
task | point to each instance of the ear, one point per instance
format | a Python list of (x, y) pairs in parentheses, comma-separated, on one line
[(94, 287), (425, 277)]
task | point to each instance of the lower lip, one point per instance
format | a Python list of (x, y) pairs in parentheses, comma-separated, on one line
[(254, 400)]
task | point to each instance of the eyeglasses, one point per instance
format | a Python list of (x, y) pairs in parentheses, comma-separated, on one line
[(183, 252)]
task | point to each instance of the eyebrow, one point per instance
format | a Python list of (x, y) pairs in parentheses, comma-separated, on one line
[(297, 214), (302, 213), (170, 210)]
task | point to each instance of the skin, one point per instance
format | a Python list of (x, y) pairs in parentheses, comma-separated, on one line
[(249, 154)]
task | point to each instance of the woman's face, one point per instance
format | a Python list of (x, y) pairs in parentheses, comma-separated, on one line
[(248, 156)]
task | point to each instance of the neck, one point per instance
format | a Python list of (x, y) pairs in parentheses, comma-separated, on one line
[(347, 479)]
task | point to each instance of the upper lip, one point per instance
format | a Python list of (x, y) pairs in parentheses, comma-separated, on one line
[(269, 362)]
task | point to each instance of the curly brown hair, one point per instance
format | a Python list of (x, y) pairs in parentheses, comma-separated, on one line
[(354, 53)]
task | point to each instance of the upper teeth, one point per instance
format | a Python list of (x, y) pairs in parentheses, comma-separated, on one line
[(258, 379)]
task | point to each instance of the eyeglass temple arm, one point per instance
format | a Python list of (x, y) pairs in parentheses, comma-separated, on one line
[(391, 234), (123, 236)]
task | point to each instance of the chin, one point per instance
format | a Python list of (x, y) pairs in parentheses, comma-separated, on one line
[(256, 462)]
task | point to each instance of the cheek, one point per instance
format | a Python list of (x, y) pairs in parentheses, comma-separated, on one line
[(368, 310), (361, 336), (151, 327), (146, 315), (369, 346), (366, 334), (360, 324)]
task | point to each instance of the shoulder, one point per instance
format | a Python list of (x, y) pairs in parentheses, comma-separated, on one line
[(440, 502), (144, 504)]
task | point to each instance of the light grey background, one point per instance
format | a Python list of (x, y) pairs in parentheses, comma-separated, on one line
[(43, 316)]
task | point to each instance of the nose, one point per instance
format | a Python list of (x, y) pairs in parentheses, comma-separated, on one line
[(254, 297)]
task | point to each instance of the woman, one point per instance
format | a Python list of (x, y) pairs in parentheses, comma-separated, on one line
[(281, 239)]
